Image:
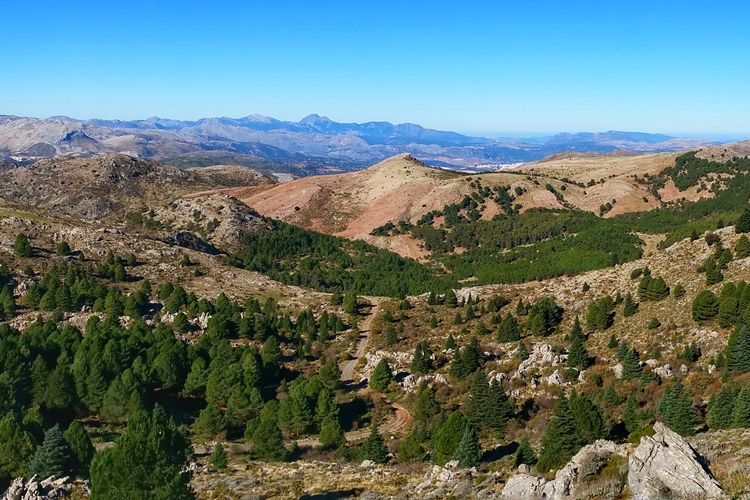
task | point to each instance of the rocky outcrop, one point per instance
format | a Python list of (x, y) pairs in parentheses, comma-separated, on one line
[(34, 489), (582, 468), (665, 465)]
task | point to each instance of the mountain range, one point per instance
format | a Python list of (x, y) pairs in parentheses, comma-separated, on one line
[(313, 145)]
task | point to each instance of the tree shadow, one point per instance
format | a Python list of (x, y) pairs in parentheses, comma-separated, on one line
[(499, 452)]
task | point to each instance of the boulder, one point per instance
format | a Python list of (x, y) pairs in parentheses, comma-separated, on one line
[(665, 465), (585, 465), (524, 486)]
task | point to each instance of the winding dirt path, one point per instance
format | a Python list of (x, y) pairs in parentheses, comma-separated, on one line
[(401, 418)]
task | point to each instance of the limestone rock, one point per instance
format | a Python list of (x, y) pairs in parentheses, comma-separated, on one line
[(665, 465)]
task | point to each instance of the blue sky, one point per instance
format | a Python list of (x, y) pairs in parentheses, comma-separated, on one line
[(490, 67)]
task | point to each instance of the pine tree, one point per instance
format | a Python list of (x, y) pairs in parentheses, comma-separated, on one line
[(426, 406), (677, 410), (588, 418), (705, 306), (331, 434), (421, 363), (22, 246), (631, 365), (350, 303), (446, 437), (81, 448), (337, 299), (147, 461), (561, 439), (218, 458), (741, 410), (381, 376), (743, 223), (629, 307), (487, 406), (741, 350), (509, 330), (52, 457), (63, 248), (469, 452), (721, 407), (632, 416), (578, 356), (266, 439), (209, 425), (374, 448), (525, 453), (16, 447), (729, 310), (742, 248), (713, 272)]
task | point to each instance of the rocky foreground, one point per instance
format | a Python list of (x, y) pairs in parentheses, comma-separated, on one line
[(663, 465)]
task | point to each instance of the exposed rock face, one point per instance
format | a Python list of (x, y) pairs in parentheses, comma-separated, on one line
[(189, 240), (583, 467), (665, 465), (38, 490)]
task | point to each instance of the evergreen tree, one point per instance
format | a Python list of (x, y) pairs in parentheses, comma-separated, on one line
[(381, 376), (331, 434), (741, 410), (351, 303), (63, 248), (426, 406), (721, 407), (629, 307), (374, 448), (218, 458), (147, 461), (469, 452), (743, 223), (578, 356), (705, 306), (740, 355), (210, 424), (337, 299), (632, 416), (421, 363), (487, 405), (16, 448), (267, 440), (742, 248), (509, 330), (729, 310), (588, 418), (81, 448), (525, 453), (677, 410), (561, 439), (22, 246), (713, 272), (631, 365), (450, 343), (599, 315), (52, 457), (447, 436)]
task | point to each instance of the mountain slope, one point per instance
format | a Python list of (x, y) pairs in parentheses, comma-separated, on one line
[(99, 187)]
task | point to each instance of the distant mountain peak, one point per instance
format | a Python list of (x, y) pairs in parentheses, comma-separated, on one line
[(314, 119)]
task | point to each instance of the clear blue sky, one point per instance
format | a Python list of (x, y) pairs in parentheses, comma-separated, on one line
[(492, 66)]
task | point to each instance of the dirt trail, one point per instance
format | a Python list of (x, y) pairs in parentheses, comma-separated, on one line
[(401, 417), (400, 420), (347, 367)]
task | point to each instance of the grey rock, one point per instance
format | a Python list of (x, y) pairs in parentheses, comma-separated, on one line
[(665, 465)]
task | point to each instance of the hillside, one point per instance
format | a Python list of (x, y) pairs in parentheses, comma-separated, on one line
[(402, 189), (103, 186)]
